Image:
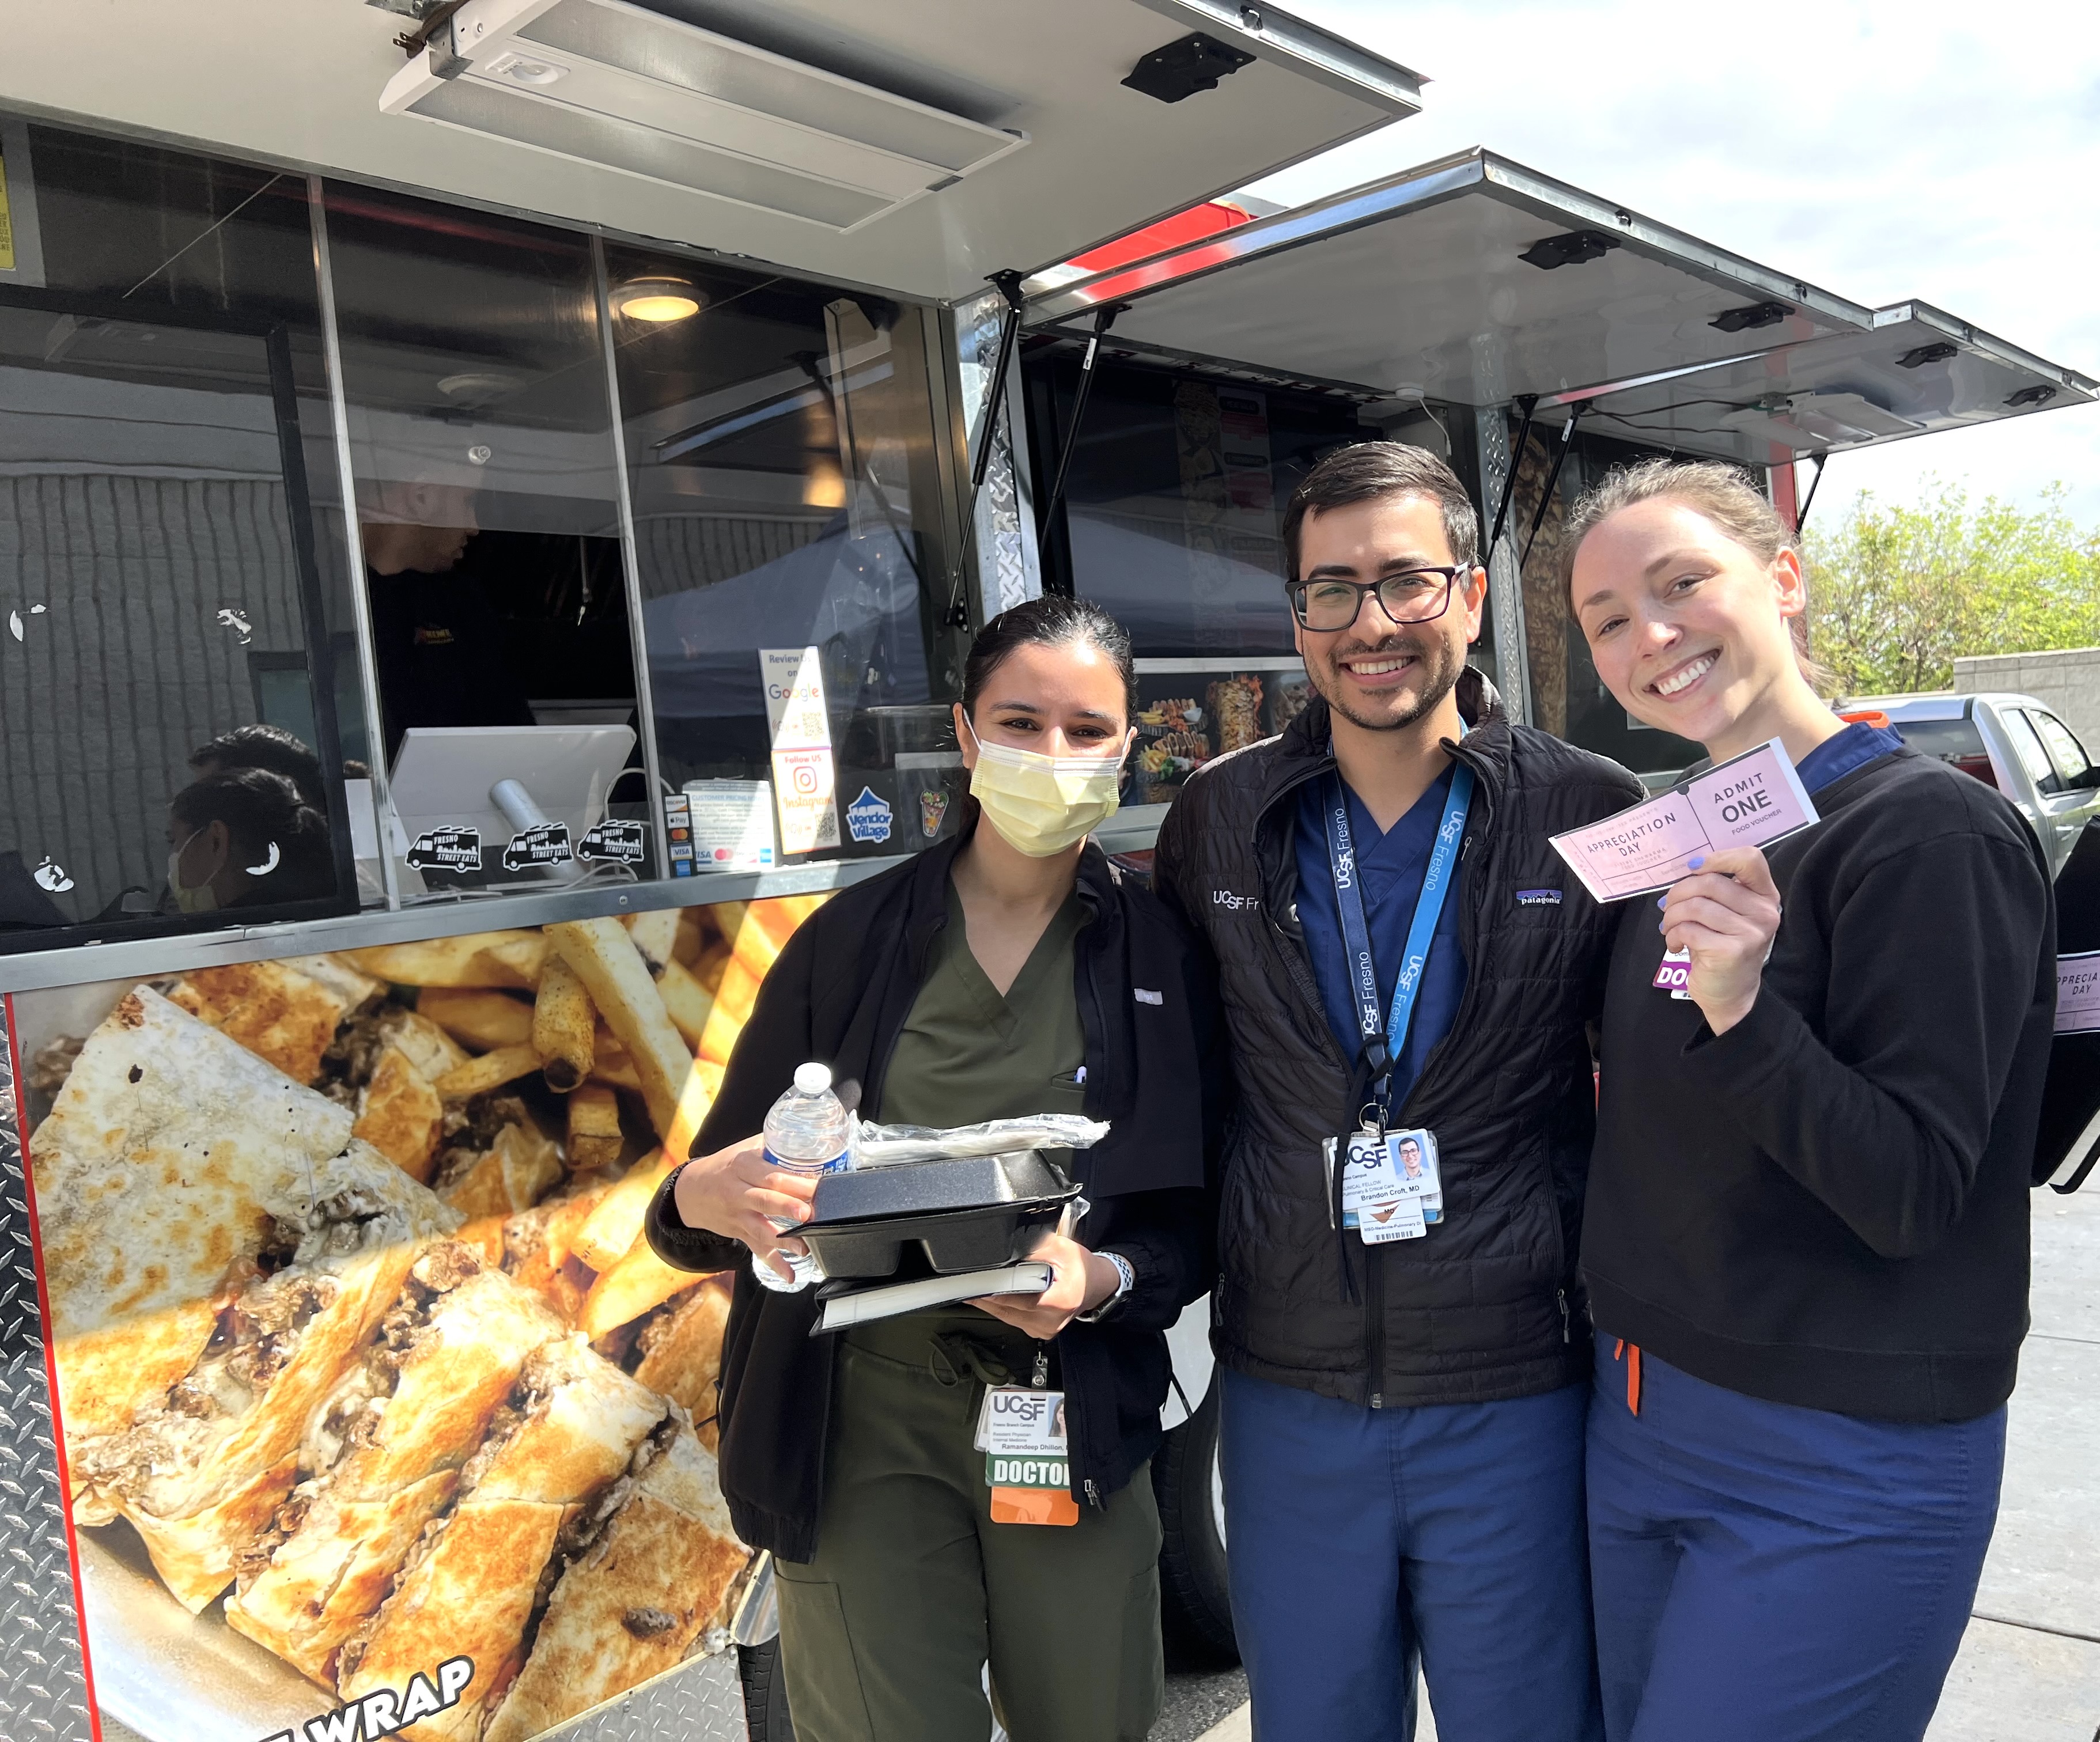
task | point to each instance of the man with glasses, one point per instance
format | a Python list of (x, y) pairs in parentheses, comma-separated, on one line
[(1408, 969)]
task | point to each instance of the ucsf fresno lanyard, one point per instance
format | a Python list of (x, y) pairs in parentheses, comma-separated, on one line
[(1384, 1033)]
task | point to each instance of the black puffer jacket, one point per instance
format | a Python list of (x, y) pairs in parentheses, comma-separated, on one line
[(840, 992), (1485, 1307)]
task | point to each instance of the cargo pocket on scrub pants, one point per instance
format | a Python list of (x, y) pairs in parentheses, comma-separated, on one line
[(823, 1680)]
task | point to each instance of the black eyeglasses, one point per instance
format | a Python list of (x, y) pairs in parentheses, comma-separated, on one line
[(1419, 595)]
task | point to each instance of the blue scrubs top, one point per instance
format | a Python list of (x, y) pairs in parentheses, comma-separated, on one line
[(1855, 746), (1391, 867)]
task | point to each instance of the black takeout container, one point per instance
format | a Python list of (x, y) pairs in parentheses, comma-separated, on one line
[(966, 1213)]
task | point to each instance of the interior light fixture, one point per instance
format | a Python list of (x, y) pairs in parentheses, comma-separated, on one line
[(657, 300)]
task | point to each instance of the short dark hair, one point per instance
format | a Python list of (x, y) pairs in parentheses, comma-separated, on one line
[(1051, 621), (1371, 471), (266, 747)]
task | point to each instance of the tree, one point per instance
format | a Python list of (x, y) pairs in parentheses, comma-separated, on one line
[(1896, 593)]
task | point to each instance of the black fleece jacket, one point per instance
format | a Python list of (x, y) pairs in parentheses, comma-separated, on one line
[(1486, 1308), (840, 992), (1827, 1205)]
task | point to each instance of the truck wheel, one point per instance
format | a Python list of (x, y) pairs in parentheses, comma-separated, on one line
[(1195, 1602), (765, 1693)]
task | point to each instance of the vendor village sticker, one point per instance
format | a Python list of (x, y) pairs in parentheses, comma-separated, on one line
[(617, 839), (447, 849), (543, 844), (868, 817)]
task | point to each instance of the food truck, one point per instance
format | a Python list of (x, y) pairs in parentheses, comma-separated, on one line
[(497, 497)]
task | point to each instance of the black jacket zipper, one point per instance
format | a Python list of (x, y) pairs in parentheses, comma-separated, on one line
[(1300, 972)]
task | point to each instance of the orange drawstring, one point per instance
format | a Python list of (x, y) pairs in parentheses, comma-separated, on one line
[(1630, 1352)]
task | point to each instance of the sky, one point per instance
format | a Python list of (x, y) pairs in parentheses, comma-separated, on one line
[(1948, 153)]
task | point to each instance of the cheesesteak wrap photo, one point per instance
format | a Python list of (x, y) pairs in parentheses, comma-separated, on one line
[(371, 1390)]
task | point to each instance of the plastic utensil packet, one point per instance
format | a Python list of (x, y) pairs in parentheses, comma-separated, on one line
[(885, 1146)]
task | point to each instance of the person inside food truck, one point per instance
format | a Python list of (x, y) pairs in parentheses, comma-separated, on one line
[(263, 746), (244, 839), (1012, 970), (1404, 1381), (435, 637)]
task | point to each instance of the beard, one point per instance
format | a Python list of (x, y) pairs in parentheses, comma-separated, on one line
[(1440, 668)]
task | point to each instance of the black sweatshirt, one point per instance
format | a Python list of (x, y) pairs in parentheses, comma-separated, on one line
[(840, 992), (1827, 1205)]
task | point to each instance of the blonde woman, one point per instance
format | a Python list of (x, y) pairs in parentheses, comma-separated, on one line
[(1806, 1239)]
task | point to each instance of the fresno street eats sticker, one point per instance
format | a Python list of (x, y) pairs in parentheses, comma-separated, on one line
[(1749, 800), (2078, 993)]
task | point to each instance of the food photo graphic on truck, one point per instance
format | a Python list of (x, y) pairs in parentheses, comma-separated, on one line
[(361, 1358)]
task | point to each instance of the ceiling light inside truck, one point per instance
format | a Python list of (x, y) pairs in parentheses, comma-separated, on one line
[(659, 300), (615, 86)]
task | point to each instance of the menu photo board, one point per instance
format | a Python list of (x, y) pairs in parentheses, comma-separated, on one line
[(376, 1414)]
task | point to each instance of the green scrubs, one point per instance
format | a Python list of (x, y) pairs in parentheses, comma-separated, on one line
[(886, 1632)]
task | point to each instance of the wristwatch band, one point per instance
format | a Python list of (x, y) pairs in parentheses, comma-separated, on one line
[(1125, 1279)]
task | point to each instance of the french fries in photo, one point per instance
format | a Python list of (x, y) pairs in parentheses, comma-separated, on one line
[(610, 1064), (607, 962), (568, 1217), (480, 959), (694, 934), (595, 1139), (492, 1070), (695, 1100), (686, 1001), (638, 1283), (614, 1223), (426, 1045), (655, 935), (708, 970), (766, 927), (563, 1026), (734, 998), (478, 1020)]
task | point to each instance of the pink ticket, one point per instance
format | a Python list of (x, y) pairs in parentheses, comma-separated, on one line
[(1749, 800), (2078, 993)]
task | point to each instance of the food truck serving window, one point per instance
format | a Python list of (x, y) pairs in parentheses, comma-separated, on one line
[(485, 473), (167, 672), (779, 441)]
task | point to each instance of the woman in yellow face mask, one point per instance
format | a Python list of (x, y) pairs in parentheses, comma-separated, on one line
[(1012, 971)]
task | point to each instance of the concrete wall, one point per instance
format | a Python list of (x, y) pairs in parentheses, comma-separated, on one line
[(2068, 680)]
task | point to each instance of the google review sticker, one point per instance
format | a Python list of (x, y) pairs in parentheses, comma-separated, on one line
[(1749, 800)]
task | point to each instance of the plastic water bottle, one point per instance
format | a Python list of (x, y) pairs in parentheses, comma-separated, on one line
[(807, 1131)]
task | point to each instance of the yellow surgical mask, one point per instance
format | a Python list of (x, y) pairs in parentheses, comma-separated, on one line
[(203, 898), (1041, 804)]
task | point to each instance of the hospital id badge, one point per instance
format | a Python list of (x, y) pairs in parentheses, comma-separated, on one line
[(1390, 1186), (1020, 1431), (1673, 974)]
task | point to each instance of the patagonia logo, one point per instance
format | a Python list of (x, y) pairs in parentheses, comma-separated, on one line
[(1538, 897), (1146, 995), (1237, 903)]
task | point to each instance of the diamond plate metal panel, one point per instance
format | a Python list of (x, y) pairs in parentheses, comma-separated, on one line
[(1006, 562), (701, 1700), (43, 1677)]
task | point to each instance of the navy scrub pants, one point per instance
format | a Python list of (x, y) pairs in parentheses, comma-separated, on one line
[(1365, 1540), (1768, 1574)]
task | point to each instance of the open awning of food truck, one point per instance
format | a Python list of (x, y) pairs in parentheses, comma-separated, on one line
[(916, 147), (1476, 281)]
